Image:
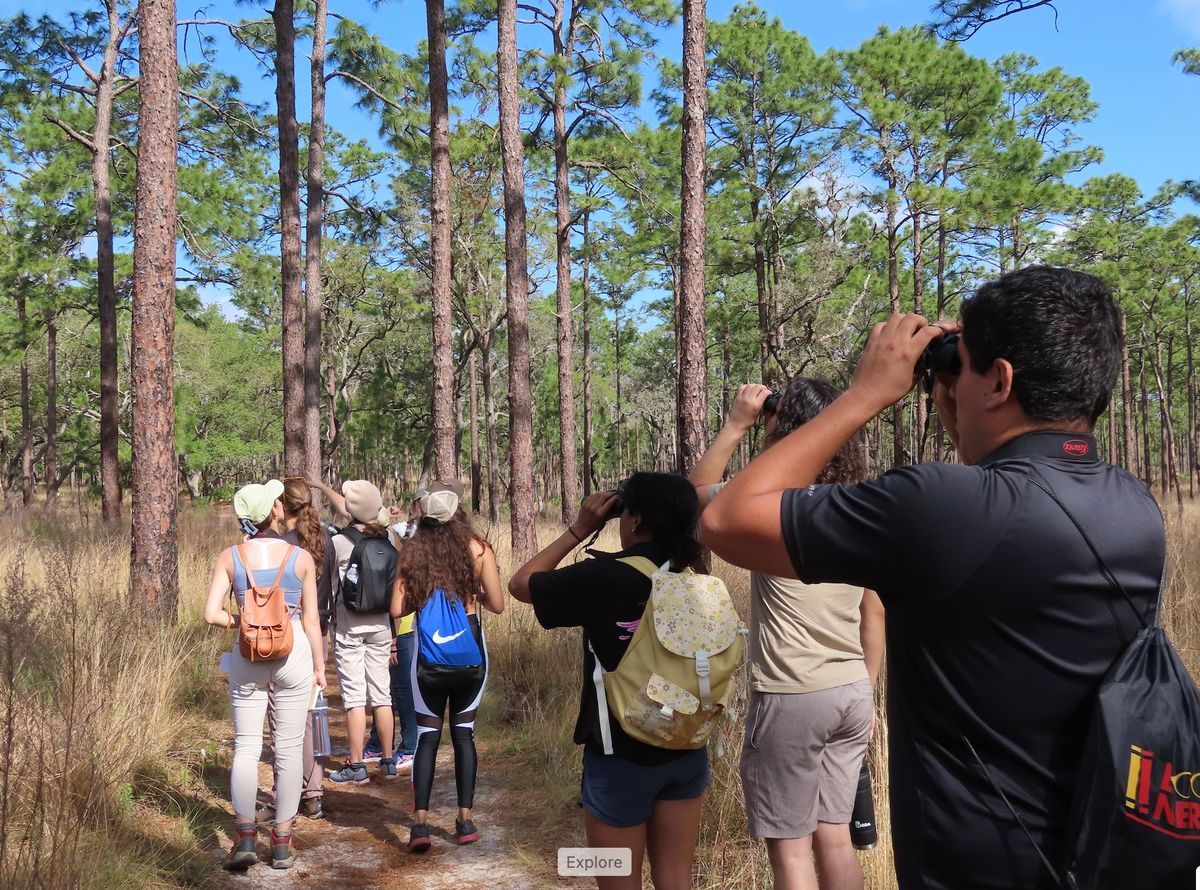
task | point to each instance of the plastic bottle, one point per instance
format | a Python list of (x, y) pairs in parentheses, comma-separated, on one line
[(319, 714)]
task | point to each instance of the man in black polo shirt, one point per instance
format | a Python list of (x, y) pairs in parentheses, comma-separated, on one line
[(1000, 624)]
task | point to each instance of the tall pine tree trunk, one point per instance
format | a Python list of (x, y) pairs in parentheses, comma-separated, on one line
[(110, 474), (563, 327), (693, 368), (331, 421), (312, 249), (893, 248), (476, 467), (51, 459), (516, 286), (439, 243), (26, 416), (292, 315), (154, 559), (493, 445), (1126, 399), (586, 309)]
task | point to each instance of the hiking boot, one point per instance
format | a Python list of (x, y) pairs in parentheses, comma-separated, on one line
[(245, 849), (312, 808), (418, 839), (281, 850), (465, 831), (351, 774), (404, 762), (372, 753), (387, 767)]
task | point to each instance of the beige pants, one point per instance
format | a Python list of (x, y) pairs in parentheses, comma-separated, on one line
[(363, 672), (287, 686)]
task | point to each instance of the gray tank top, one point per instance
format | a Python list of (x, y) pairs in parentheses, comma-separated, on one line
[(289, 583)]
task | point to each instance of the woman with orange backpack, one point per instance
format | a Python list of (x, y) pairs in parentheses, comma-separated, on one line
[(277, 658)]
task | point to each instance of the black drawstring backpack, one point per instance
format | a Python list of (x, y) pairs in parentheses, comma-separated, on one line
[(1135, 815)]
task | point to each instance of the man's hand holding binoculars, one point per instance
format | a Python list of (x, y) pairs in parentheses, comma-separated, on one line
[(888, 366)]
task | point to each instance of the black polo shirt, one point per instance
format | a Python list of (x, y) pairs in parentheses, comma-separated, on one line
[(999, 628), (606, 598)]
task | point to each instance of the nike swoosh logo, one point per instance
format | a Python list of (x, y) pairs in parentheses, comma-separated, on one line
[(439, 639)]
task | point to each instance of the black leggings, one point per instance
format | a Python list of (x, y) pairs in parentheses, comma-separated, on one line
[(430, 705)]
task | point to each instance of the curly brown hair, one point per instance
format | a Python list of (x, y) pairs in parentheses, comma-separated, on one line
[(439, 555), (804, 399)]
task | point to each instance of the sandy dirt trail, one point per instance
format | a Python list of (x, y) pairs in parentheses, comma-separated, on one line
[(362, 841)]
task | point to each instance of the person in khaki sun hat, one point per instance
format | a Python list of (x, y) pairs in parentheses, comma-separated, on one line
[(362, 637)]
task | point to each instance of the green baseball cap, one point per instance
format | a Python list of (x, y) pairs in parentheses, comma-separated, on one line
[(255, 501)]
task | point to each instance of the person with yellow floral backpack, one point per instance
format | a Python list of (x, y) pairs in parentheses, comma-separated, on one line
[(661, 643)]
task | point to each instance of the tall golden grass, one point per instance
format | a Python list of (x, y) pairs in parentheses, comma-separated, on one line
[(103, 726)]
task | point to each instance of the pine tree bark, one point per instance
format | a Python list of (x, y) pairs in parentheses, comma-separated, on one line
[(26, 416), (439, 242), (110, 473), (1126, 399), (586, 309), (693, 361), (315, 218), (893, 246), (476, 467), (283, 16), (493, 445), (516, 283), (51, 459), (568, 467), (154, 560)]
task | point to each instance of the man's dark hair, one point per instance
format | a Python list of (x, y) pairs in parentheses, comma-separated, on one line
[(1060, 331)]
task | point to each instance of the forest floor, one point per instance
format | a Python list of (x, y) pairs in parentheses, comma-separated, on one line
[(362, 841)]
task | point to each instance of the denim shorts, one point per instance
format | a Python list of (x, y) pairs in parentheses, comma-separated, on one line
[(620, 793)]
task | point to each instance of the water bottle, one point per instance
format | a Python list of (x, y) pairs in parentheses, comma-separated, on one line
[(319, 714), (352, 574), (862, 821)]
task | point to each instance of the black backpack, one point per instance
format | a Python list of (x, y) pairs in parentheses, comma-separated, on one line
[(1135, 813), (370, 573)]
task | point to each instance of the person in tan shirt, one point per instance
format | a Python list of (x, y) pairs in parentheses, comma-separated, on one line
[(814, 655)]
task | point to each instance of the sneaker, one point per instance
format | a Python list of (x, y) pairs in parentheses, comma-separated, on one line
[(281, 850), (387, 767), (372, 754), (312, 808), (245, 849), (418, 839), (404, 762), (465, 831), (351, 774)]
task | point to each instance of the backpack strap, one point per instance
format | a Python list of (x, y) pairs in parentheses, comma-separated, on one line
[(601, 699), (278, 575), (642, 564)]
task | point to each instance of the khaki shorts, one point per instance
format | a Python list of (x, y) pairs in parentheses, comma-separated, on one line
[(801, 758), (362, 666)]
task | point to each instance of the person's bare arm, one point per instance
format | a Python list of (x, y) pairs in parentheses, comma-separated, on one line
[(871, 633), (743, 526), (591, 518), (335, 498), (487, 572), (742, 416), (398, 605), (218, 591)]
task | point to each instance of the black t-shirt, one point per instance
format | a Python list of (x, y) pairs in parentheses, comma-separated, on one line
[(1000, 627), (606, 598)]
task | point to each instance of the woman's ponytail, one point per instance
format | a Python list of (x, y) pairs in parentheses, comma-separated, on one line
[(297, 503)]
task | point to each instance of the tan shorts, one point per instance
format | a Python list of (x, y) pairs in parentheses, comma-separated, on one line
[(362, 666), (801, 758)]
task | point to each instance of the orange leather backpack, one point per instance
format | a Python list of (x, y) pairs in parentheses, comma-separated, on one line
[(266, 621)]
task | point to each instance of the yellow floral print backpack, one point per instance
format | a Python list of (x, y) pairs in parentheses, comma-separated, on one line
[(676, 678)]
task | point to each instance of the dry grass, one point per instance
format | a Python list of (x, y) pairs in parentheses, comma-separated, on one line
[(103, 732)]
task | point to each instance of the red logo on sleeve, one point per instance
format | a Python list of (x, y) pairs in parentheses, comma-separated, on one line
[(1076, 447)]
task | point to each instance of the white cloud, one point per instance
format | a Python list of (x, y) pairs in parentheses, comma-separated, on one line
[(1185, 13)]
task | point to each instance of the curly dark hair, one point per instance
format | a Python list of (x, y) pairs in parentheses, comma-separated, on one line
[(439, 555), (804, 399)]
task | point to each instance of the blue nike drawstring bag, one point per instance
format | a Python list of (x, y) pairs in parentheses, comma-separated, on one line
[(448, 654)]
